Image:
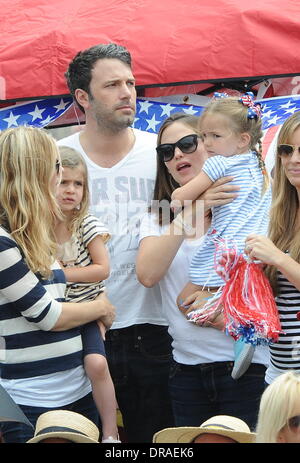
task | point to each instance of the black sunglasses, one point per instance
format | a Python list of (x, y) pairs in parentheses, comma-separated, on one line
[(287, 150), (57, 166), (294, 422), (187, 145)]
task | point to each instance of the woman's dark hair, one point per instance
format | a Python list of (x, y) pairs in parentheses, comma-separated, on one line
[(164, 183)]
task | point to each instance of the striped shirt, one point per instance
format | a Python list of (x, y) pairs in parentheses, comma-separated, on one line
[(75, 252), (29, 308), (248, 213), (285, 354)]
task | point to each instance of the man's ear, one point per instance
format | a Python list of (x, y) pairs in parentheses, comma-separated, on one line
[(82, 97)]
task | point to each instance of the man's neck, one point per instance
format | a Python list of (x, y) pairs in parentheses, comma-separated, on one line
[(104, 147)]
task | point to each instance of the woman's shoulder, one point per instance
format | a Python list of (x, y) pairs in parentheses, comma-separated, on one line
[(6, 239)]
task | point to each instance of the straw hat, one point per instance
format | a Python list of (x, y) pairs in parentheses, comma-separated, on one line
[(222, 425), (65, 424)]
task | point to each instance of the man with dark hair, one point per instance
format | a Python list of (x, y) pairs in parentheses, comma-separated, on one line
[(122, 167)]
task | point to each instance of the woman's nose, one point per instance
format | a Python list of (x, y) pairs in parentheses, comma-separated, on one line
[(296, 154), (178, 153)]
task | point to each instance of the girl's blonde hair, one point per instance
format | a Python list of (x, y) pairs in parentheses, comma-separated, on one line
[(277, 405), (238, 114), (72, 159), (285, 204), (28, 208)]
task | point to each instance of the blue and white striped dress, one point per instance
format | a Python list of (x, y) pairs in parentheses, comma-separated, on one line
[(248, 213)]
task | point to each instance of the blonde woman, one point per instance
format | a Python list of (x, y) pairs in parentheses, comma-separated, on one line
[(279, 412), (281, 251), (41, 366)]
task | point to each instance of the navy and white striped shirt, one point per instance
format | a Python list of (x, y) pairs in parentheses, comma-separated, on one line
[(285, 354), (248, 213), (29, 308)]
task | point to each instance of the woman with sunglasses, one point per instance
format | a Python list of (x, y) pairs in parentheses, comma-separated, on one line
[(41, 361), (200, 379), (281, 251), (279, 411)]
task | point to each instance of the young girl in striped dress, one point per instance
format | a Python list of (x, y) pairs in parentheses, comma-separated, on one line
[(81, 241), (231, 131)]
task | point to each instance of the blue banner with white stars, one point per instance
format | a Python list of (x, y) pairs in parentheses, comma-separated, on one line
[(38, 113), (149, 114)]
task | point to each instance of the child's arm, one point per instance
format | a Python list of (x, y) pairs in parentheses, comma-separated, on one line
[(98, 270), (193, 189)]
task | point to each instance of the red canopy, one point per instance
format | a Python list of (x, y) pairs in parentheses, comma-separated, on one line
[(171, 41)]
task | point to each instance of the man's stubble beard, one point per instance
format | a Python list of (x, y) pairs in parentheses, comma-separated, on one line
[(107, 121), (113, 125)]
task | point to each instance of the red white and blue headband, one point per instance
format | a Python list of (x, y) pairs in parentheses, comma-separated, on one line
[(254, 109)]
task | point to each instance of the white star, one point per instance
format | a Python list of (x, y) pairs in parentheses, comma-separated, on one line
[(144, 106), (267, 114), (189, 110), (62, 105), (166, 109), (37, 113), (152, 123), (136, 119), (286, 105), (46, 121), (273, 121), (264, 107), (11, 120), (291, 110)]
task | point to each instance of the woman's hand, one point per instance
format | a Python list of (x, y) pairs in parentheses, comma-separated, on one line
[(262, 248), (107, 319), (193, 301), (220, 193)]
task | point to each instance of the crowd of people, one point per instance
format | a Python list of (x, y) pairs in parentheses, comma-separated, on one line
[(107, 245)]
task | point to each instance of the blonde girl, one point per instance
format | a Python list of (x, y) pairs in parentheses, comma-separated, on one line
[(42, 363), (85, 261)]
